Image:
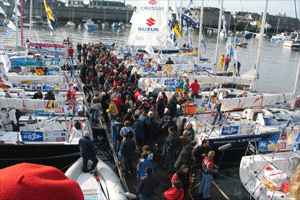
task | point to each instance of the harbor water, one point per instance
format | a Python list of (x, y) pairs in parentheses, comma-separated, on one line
[(277, 68)]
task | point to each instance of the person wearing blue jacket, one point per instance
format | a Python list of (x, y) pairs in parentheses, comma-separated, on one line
[(143, 164), (88, 152)]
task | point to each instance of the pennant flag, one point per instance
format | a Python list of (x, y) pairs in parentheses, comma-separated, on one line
[(50, 26), (17, 12), (225, 27), (2, 11), (190, 38), (296, 144), (191, 5), (175, 9), (236, 41), (174, 41), (176, 29), (38, 37), (4, 58), (3, 76), (54, 14), (49, 11), (170, 16), (11, 25), (189, 19), (7, 32), (149, 49), (5, 3), (202, 41)]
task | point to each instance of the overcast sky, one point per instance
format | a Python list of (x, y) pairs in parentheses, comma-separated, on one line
[(274, 6)]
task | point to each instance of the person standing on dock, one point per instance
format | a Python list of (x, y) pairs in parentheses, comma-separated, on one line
[(200, 152), (116, 129), (221, 62), (186, 155), (138, 127), (127, 151), (175, 192), (238, 68), (147, 185), (169, 61), (171, 144), (195, 89), (226, 63), (186, 86), (88, 152), (207, 175)]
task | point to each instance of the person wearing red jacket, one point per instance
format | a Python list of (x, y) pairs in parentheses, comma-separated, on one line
[(195, 89), (119, 103), (175, 192), (226, 62), (137, 94)]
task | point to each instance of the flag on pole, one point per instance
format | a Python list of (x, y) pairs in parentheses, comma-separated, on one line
[(17, 12), (225, 27), (175, 9), (176, 29), (2, 11), (296, 144), (38, 37), (202, 41), (190, 38), (50, 26), (11, 25), (5, 3), (49, 11), (3, 76), (7, 32)]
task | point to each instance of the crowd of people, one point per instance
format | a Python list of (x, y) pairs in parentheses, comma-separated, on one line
[(141, 126)]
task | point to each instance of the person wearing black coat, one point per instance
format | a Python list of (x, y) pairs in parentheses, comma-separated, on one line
[(151, 133), (200, 152), (147, 185), (134, 78), (82, 74), (88, 152), (172, 105), (139, 129), (49, 96), (171, 144), (127, 151), (186, 156), (105, 106), (160, 106)]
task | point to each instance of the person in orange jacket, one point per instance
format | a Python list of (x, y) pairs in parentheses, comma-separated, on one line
[(175, 192)]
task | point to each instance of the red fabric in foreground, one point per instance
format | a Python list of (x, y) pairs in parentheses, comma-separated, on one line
[(32, 181)]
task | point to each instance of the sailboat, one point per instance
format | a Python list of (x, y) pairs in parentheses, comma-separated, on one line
[(267, 176), (147, 23)]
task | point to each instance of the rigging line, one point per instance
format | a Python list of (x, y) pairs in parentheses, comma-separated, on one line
[(42, 158), (260, 170)]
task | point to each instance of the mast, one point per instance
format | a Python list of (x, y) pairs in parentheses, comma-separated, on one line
[(262, 31), (200, 28), (16, 11), (21, 10), (218, 37), (180, 20), (30, 19), (296, 85)]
